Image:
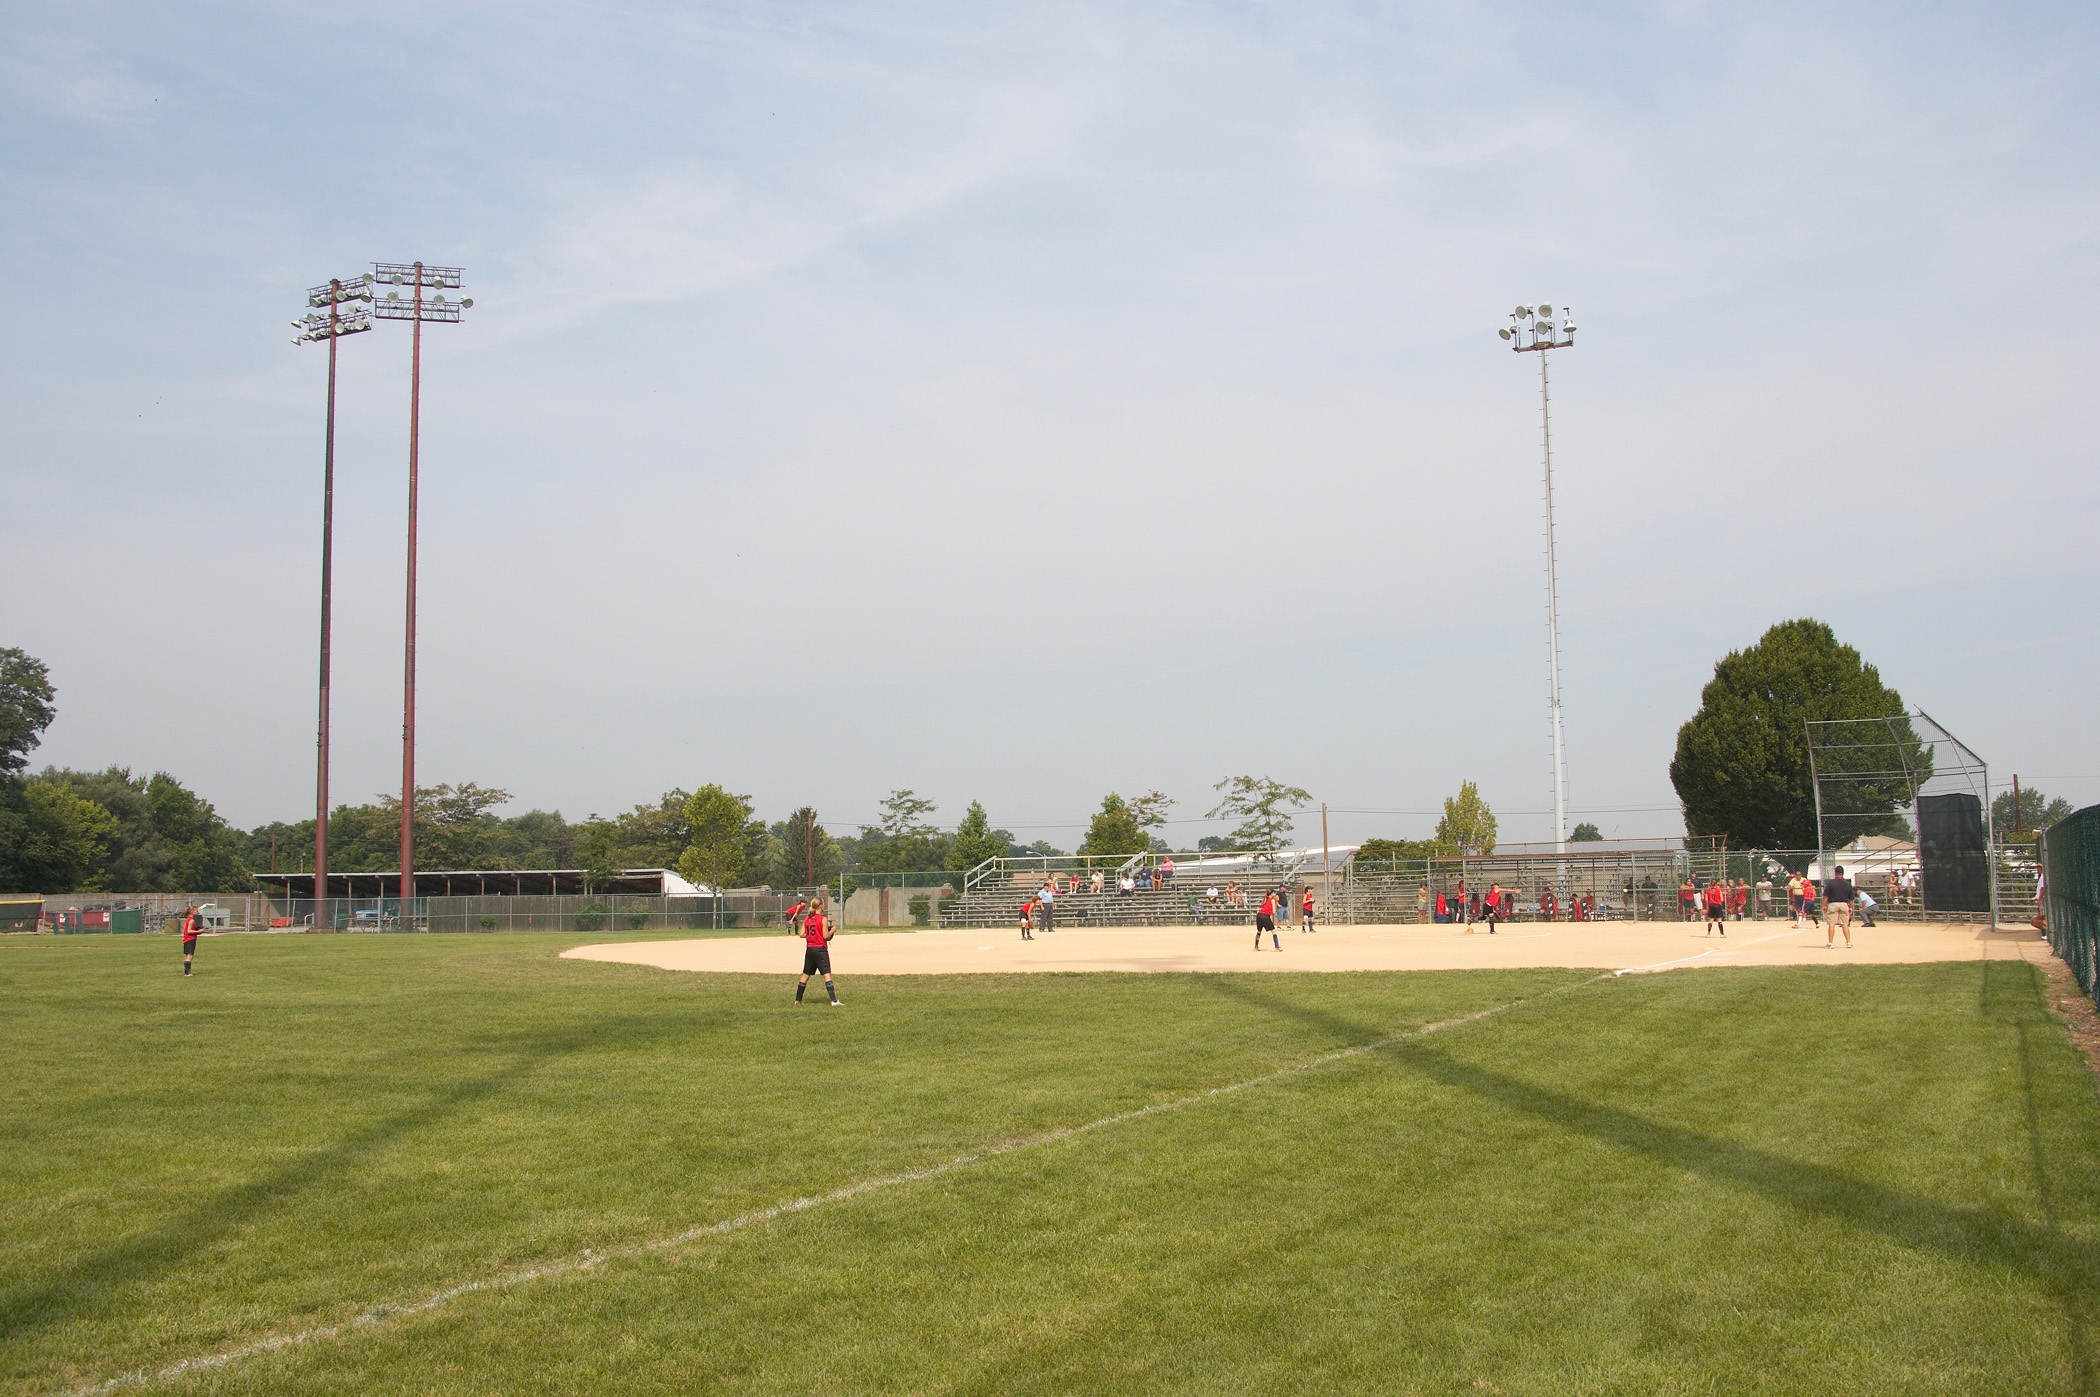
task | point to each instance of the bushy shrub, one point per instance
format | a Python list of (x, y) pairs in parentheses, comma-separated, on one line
[(591, 918)]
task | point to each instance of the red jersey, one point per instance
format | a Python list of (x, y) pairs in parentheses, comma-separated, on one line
[(1308, 903), (1268, 905), (813, 930), (1716, 895)]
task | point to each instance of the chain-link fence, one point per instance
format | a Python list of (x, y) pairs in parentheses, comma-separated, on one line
[(2071, 863)]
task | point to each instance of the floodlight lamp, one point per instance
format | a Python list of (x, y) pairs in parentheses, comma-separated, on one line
[(467, 303), (1504, 332), (1568, 329), (438, 299), (1546, 311)]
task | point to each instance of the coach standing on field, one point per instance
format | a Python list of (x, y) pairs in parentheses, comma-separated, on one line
[(1838, 894), (1047, 895)]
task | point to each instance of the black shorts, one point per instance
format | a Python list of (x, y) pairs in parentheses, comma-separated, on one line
[(189, 945), (816, 960), (1264, 922)]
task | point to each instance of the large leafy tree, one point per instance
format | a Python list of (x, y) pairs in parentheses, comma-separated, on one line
[(1468, 826), (456, 826), (162, 837), (1263, 808), (2035, 811), (976, 840), (1114, 830), (51, 839), (720, 824), (905, 841), (25, 708), (1742, 767)]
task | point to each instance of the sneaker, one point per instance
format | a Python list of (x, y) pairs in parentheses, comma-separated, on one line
[(836, 1005)]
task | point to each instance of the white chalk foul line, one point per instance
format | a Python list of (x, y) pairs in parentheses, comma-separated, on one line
[(380, 1314), (1709, 951)]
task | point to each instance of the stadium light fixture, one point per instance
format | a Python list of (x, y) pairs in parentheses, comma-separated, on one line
[(1530, 333), (346, 303), (416, 310)]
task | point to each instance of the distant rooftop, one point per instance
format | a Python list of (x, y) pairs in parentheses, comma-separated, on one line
[(483, 882)]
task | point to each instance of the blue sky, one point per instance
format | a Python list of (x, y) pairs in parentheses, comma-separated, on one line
[(1023, 402)]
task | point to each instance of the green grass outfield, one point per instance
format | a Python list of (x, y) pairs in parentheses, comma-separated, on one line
[(1794, 1179)]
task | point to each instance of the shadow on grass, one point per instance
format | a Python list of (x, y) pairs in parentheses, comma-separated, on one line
[(2068, 1268), (81, 1287)]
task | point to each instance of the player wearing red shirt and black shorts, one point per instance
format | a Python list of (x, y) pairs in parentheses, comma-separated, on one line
[(1305, 912), (1716, 908), (192, 923), (1265, 920), (816, 952)]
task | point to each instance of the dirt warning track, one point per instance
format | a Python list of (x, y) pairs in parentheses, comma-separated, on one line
[(1601, 945)]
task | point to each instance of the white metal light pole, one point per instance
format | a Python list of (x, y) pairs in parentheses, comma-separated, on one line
[(1532, 330)]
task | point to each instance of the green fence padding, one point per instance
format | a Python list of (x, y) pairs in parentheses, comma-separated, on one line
[(2071, 867)]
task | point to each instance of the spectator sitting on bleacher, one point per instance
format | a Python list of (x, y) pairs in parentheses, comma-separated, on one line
[(1094, 883), (1166, 870), (1212, 894), (1125, 886)]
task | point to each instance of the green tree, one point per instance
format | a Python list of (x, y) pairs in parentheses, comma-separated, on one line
[(1468, 826), (653, 836), (808, 856), (167, 839), (1742, 768), (539, 839), (905, 841), (1262, 807), (25, 708), (1586, 833), (51, 839), (598, 853), (975, 840), (1114, 830), (1386, 850), (2034, 812), (456, 826), (718, 820), (1150, 810)]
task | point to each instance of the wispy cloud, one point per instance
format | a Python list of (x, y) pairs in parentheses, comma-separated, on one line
[(75, 79)]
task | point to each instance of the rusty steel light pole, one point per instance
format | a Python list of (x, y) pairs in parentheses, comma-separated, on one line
[(333, 326), (416, 310)]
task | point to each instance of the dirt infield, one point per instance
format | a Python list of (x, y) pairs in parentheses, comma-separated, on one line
[(1605, 945)]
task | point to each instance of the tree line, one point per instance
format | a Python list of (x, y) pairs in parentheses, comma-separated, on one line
[(1741, 770)]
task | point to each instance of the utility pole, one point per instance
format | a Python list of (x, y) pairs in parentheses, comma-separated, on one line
[(416, 310), (1326, 866), (332, 327), (1532, 331)]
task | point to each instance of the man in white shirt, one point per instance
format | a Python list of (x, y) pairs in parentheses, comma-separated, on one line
[(1048, 897)]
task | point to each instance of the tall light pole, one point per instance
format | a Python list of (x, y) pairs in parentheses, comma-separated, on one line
[(330, 327), (414, 309), (1532, 331)]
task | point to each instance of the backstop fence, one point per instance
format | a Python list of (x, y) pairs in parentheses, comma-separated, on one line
[(2071, 890)]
